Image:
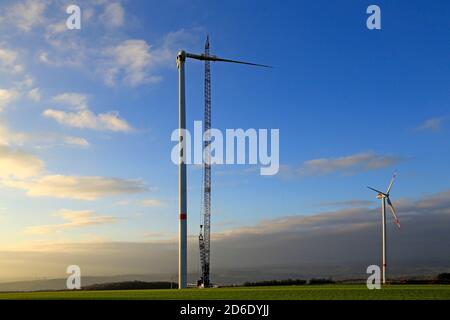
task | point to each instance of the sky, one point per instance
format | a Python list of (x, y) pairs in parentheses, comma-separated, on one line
[(86, 118)]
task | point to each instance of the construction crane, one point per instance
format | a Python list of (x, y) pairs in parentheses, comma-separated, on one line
[(205, 224), (204, 238)]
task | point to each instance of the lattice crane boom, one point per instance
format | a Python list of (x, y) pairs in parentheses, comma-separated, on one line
[(205, 227)]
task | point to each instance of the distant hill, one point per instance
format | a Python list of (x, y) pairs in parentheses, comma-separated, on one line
[(60, 284), (132, 285), (236, 276)]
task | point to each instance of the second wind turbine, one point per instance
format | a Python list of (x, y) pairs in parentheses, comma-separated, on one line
[(384, 197)]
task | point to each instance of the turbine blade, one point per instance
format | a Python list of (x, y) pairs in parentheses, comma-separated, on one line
[(378, 191), (241, 62), (391, 206), (214, 58), (392, 182)]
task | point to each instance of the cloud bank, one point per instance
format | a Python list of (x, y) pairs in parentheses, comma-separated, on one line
[(73, 219), (82, 117), (77, 187), (351, 164), (338, 243)]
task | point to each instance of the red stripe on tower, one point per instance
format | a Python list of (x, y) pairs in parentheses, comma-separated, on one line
[(183, 216)]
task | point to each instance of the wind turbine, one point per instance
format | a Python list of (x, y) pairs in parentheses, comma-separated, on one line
[(182, 179), (384, 197)]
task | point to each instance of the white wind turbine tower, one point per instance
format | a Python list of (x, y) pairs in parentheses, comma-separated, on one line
[(384, 197)]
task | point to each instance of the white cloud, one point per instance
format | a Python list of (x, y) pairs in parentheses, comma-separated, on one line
[(172, 42), (7, 137), (130, 62), (6, 97), (152, 203), (7, 57), (76, 187), (433, 124), (154, 235), (34, 95), (67, 56), (27, 14), (51, 140), (39, 140), (9, 61), (26, 82), (347, 203), (76, 141), (56, 28), (73, 219), (134, 61), (359, 162), (88, 14), (16, 163), (77, 101), (87, 119), (82, 117), (43, 57), (113, 15), (21, 170), (130, 59)]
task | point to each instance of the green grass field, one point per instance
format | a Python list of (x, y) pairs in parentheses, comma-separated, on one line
[(320, 292)]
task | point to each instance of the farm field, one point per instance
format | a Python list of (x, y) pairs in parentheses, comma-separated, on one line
[(320, 292)]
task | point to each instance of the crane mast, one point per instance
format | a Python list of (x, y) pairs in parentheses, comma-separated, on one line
[(205, 225)]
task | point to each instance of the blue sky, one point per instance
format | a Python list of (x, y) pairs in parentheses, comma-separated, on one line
[(366, 102)]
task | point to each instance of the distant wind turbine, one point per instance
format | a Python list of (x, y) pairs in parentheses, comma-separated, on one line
[(384, 197)]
